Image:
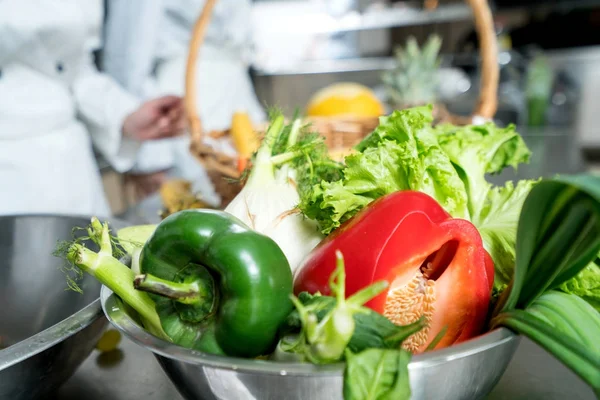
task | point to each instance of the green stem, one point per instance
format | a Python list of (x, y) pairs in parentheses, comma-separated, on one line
[(362, 296), (266, 147), (337, 280), (285, 157), (405, 331), (96, 232), (437, 338), (185, 293), (580, 360), (327, 164), (294, 132), (263, 167), (117, 277)]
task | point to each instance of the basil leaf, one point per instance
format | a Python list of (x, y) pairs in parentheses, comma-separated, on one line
[(380, 374)]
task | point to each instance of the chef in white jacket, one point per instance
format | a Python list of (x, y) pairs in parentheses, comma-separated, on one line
[(146, 49), (55, 106)]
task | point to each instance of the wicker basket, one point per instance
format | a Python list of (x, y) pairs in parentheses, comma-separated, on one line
[(340, 133)]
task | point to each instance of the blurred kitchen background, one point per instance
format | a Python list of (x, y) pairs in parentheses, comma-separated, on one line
[(549, 59)]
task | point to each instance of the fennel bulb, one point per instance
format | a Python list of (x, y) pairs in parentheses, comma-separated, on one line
[(268, 201)]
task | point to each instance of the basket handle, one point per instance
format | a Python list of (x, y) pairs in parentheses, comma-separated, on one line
[(484, 26), (197, 38), (488, 49)]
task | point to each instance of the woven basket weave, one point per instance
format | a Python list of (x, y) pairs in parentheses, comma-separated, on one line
[(340, 133)]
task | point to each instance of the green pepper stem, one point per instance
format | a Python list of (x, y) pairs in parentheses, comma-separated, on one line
[(116, 276), (185, 293)]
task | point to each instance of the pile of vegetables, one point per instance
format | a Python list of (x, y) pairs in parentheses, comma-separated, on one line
[(403, 248)]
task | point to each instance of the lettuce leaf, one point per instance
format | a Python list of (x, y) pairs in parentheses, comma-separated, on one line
[(586, 284), (450, 163), (497, 224), (475, 152), (478, 150), (401, 154)]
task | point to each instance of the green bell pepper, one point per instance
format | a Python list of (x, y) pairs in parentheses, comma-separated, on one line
[(219, 286)]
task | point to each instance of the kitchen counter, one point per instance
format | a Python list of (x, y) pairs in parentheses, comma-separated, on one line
[(132, 373)]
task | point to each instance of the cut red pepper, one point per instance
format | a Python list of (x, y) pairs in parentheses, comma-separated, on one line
[(436, 266)]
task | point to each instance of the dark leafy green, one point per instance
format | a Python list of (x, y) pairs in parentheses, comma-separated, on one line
[(371, 330), (377, 374), (558, 236)]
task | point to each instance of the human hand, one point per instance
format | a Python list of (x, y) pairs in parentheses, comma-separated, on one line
[(144, 185), (159, 118)]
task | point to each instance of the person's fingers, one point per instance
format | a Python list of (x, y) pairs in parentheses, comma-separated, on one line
[(166, 101), (162, 106), (176, 114), (181, 125), (163, 123)]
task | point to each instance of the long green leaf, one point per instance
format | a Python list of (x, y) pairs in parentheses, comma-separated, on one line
[(558, 235), (584, 363)]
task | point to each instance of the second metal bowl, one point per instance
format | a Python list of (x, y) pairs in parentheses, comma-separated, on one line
[(49, 330), (463, 372)]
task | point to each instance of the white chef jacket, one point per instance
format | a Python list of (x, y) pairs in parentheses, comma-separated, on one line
[(146, 49), (54, 106)]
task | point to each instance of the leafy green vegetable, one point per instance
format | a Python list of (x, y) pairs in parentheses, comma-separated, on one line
[(104, 265), (401, 154), (449, 163), (558, 236), (325, 340), (558, 309), (478, 150), (488, 149), (586, 284), (371, 329), (497, 224), (377, 374)]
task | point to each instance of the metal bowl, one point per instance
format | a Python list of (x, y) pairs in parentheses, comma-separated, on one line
[(466, 371), (49, 331)]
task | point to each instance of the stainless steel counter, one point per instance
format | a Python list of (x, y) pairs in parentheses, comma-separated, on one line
[(132, 373)]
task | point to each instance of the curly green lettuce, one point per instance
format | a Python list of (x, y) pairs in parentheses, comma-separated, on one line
[(586, 284), (450, 163), (401, 154)]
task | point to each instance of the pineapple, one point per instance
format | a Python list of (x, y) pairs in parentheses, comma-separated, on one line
[(414, 80)]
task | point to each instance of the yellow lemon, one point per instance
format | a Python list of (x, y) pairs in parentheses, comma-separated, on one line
[(345, 99)]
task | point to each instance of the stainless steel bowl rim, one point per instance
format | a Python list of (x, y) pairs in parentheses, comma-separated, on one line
[(51, 336), (60, 331), (124, 323)]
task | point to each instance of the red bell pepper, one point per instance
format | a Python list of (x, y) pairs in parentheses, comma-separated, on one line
[(436, 266)]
